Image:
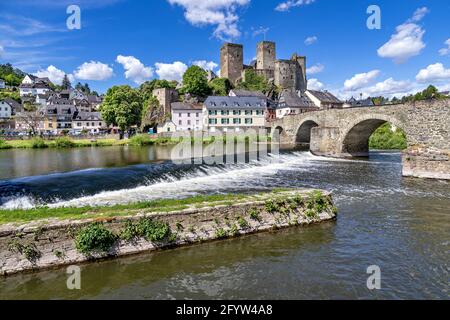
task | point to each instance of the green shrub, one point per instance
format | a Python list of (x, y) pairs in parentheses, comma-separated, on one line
[(254, 215), (234, 230), (64, 142), (271, 206), (141, 140), (149, 229), (384, 138), (221, 233), (4, 144), (38, 143), (243, 223), (94, 238)]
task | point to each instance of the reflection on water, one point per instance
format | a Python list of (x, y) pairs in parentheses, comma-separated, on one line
[(31, 162), (399, 224)]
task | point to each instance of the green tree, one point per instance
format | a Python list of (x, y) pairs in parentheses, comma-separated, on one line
[(431, 93), (10, 94), (220, 86), (195, 81), (254, 82), (66, 83), (122, 107), (11, 75)]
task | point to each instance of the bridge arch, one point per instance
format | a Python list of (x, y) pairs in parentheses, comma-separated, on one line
[(303, 133), (355, 137)]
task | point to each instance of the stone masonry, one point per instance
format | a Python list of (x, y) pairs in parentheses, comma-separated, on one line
[(345, 133), (231, 61), (51, 243)]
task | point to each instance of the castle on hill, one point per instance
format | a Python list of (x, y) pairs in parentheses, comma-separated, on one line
[(289, 75)]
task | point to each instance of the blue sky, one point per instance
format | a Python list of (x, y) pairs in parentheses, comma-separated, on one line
[(130, 41)]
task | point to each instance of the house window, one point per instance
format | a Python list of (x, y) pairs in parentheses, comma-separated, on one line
[(236, 121), (225, 112), (180, 123), (237, 112), (189, 122), (212, 121), (248, 112), (189, 115), (225, 121), (249, 121)]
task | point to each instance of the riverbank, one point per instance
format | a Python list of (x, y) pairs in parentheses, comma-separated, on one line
[(43, 238), (138, 140)]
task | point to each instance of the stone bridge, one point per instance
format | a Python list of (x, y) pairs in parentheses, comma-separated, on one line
[(345, 133)]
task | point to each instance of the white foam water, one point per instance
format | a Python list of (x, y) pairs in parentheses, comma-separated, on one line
[(205, 179)]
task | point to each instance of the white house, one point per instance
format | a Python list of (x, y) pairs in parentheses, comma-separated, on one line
[(32, 86), (5, 110), (8, 108), (187, 116), (167, 127), (229, 114), (89, 121), (292, 103), (2, 84), (324, 100)]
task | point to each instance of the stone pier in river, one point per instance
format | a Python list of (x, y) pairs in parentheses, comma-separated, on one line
[(345, 133)]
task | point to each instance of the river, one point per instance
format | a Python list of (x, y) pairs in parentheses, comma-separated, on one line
[(400, 224)]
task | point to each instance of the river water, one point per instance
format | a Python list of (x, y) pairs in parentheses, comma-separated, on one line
[(400, 224)]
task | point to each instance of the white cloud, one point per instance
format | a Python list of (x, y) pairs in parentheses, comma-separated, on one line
[(434, 72), (360, 80), (407, 42), (317, 68), (310, 40), (171, 71), (93, 70), (206, 65), (219, 13), (389, 87), (135, 69), (260, 30), (314, 84), (419, 14), (54, 74), (287, 5), (445, 51)]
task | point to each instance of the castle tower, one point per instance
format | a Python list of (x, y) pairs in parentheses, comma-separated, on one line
[(231, 61), (266, 55), (302, 82)]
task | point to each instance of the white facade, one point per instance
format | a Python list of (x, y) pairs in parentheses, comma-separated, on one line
[(2, 84), (33, 91), (169, 126), (5, 110), (187, 117)]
